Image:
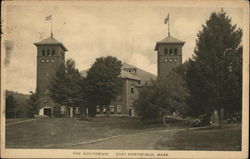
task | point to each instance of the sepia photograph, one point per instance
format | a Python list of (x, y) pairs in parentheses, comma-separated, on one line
[(124, 79)]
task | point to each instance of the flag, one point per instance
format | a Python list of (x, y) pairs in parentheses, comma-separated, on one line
[(166, 19), (48, 17)]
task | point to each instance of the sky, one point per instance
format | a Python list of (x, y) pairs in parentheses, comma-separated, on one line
[(128, 32)]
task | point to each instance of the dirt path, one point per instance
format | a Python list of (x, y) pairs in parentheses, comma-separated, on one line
[(138, 141), (18, 122)]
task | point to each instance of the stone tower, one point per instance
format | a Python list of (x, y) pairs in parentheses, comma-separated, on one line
[(50, 55), (169, 55)]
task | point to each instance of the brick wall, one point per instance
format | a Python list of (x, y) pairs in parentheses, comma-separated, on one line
[(48, 65), (167, 62)]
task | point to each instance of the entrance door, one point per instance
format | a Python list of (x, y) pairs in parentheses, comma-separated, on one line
[(47, 111)]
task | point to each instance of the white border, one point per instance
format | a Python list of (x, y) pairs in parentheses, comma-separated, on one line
[(66, 153)]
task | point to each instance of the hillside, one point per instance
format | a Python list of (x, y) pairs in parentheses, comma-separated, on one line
[(21, 99)]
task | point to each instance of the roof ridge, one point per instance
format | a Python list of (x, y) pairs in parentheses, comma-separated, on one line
[(137, 68), (169, 40)]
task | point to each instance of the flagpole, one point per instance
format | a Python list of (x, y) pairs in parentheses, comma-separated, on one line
[(51, 28), (168, 25)]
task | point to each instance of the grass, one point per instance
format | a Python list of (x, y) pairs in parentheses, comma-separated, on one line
[(60, 131), (225, 139)]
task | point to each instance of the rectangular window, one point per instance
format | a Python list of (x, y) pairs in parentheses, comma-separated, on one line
[(132, 90), (77, 110), (63, 110)]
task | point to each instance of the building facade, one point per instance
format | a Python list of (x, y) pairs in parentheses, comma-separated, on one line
[(132, 80), (50, 56), (169, 55)]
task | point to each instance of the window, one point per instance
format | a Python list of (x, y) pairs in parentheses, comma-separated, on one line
[(170, 60), (166, 51), (47, 60), (42, 61), (131, 70), (175, 60), (43, 52), (166, 60), (119, 109), (52, 60), (53, 52), (170, 51), (77, 110), (63, 110), (132, 90), (175, 51), (48, 52)]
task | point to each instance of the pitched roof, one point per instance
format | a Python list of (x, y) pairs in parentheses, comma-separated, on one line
[(125, 74), (50, 41), (142, 74), (168, 40)]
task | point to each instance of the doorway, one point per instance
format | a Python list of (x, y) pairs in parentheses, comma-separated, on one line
[(47, 112)]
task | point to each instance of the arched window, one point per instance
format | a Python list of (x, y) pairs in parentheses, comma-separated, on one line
[(48, 52), (166, 51), (53, 52), (43, 52), (170, 51), (175, 51)]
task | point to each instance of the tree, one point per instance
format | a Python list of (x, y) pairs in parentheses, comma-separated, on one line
[(33, 101), (22, 107), (65, 85), (214, 73), (162, 97), (11, 106), (102, 83)]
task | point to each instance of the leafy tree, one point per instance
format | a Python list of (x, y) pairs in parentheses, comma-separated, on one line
[(65, 85), (214, 73), (33, 101), (102, 83), (162, 97), (22, 108), (11, 106)]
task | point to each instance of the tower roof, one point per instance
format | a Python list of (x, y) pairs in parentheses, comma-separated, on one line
[(50, 41), (168, 40)]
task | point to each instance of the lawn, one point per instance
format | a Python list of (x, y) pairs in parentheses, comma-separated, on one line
[(62, 131), (225, 139)]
